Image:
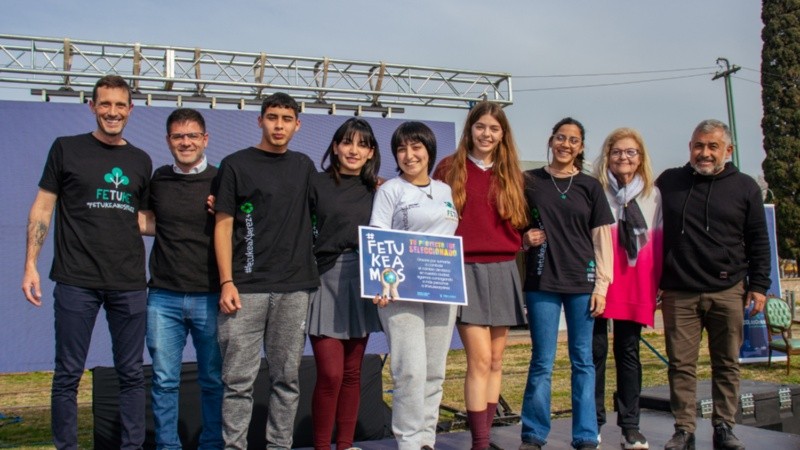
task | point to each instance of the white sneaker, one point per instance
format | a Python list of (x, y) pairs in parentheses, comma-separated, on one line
[(634, 440)]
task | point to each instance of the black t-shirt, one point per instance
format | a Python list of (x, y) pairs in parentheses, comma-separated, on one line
[(565, 262), (338, 211), (100, 190), (267, 195), (183, 258)]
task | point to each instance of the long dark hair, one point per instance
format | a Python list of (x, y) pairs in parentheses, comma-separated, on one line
[(349, 129)]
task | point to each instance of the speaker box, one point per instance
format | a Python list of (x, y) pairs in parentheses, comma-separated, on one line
[(762, 404), (374, 416)]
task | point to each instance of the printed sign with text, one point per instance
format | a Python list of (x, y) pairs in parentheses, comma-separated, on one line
[(411, 266)]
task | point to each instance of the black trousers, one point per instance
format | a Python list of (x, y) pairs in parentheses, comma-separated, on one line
[(76, 310), (629, 371)]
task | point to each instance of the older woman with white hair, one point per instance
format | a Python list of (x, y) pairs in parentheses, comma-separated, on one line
[(624, 171)]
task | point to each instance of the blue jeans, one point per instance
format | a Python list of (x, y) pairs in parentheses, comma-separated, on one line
[(171, 316), (75, 311), (544, 309)]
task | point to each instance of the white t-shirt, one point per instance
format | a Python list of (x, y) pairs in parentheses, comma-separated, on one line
[(401, 205)]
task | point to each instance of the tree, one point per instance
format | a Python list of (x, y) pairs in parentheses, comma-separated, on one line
[(780, 80)]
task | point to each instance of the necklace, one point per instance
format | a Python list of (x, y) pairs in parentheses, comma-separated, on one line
[(564, 192), (428, 194)]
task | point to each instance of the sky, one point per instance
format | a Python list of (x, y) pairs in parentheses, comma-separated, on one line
[(548, 47)]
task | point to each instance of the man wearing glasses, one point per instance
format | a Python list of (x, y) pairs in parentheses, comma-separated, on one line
[(184, 281), (98, 183), (716, 262)]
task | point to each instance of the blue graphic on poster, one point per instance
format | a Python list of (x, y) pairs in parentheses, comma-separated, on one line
[(410, 266), (755, 344)]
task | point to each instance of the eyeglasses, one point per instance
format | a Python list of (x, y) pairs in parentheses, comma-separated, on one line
[(618, 152), (177, 137), (560, 138)]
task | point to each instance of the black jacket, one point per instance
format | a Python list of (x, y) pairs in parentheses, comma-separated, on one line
[(715, 231)]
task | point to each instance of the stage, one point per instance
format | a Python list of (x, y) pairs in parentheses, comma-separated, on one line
[(655, 425)]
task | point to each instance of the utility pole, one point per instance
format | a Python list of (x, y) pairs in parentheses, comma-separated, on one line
[(729, 70)]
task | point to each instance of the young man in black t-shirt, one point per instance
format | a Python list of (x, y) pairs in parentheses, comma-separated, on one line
[(184, 282), (98, 182), (263, 242)]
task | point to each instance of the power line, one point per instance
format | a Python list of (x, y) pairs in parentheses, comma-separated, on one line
[(621, 83), (764, 73), (614, 73), (748, 80)]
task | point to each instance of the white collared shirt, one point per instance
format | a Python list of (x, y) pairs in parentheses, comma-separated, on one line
[(479, 163), (199, 168)]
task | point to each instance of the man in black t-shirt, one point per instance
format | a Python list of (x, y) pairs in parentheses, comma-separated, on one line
[(184, 281), (263, 242), (98, 183)]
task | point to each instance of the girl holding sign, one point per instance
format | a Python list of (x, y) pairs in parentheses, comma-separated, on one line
[(487, 184), (418, 333), (339, 321)]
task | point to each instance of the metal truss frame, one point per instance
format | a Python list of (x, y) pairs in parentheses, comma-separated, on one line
[(68, 67)]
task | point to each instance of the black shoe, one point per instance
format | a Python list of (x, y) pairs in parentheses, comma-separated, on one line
[(632, 439), (586, 446), (530, 446), (724, 439), (681, 440)]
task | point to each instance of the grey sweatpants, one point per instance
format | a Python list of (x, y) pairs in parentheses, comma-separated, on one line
[(419, 338), (278, 322)]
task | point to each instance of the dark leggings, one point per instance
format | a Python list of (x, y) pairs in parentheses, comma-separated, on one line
[(338, 389), (629, 371)]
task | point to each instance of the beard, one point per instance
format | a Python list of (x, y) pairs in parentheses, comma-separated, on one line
[(708, 171)]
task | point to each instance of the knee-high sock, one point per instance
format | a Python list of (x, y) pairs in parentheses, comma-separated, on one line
[(478, 429)]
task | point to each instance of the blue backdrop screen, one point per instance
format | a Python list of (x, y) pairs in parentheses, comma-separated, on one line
[(27, 129)]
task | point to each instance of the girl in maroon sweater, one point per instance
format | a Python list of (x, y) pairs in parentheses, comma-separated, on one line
[(487, 185)]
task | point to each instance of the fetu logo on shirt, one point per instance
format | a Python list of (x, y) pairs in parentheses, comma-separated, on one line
[(113, 198), (249, 236)]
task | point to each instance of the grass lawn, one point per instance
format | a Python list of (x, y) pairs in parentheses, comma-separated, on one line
[(27, 395), (25, 405)]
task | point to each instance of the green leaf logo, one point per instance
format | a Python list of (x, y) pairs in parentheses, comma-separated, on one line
[(246, 207), (116, 177)]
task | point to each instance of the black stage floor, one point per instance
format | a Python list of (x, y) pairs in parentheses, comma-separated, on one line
[(655, 425)]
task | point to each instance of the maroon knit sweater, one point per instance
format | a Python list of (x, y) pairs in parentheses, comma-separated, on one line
[(486, 237)]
